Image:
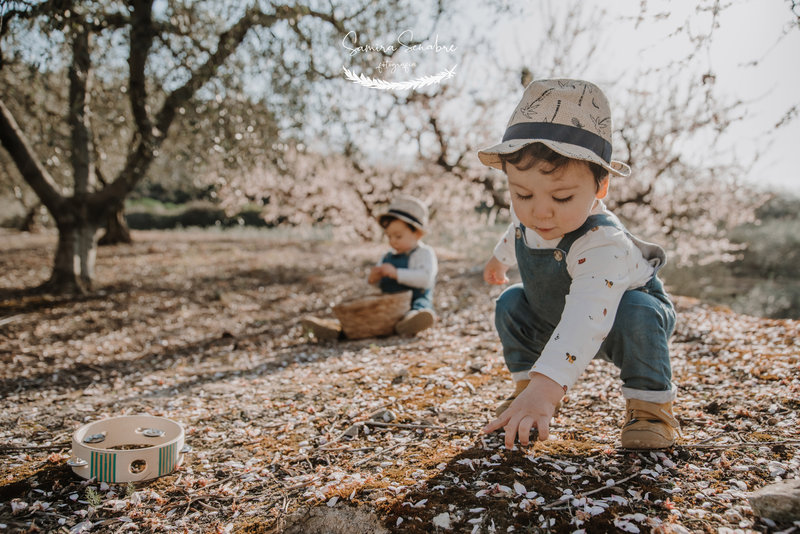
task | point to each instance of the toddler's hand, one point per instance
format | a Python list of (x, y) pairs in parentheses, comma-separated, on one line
[(375, 274), (533, 408), (381, 271), (495, 272), (388, 270)]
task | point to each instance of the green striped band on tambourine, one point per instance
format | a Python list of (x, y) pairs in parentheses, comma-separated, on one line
[(167, 458), (103, 466), (128, 448)]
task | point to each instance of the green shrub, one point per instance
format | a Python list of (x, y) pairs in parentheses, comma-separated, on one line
[(156, 215), (773, 249), (780, 206), (769, 298), (151, 205), (765, 280)]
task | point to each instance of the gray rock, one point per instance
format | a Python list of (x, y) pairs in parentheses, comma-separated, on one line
[(352, 430), (779, 502), (477, 367), (399, 374), (383, 415)]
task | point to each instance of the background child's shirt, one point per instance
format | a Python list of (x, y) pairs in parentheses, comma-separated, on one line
[(422, 268), (603, 264)]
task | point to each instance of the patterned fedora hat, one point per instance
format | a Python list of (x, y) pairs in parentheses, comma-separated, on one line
[(572, 117), (408, 209)]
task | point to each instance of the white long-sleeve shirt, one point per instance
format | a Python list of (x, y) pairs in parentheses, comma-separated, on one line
[(603, 264), (422, 268)]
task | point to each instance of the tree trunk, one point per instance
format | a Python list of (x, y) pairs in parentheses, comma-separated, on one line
[(31, 221), (73, 267), (79, 216), (117, 231)]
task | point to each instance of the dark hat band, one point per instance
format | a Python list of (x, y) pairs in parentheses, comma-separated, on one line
[(561, 133), (406, 215)]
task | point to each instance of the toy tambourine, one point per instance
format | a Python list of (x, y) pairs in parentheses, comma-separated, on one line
[(130, 448)]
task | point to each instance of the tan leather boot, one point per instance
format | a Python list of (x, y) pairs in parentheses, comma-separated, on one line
[(649, 425), (321, 328), (414, 322)]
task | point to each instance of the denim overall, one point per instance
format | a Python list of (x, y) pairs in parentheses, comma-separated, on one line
[(527, 314), (421, 299)]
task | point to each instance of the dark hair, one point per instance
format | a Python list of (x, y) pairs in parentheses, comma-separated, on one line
[(386, 220), (534, 153)]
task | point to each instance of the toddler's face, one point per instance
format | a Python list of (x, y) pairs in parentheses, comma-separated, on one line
[(553, 204), (401, 238)]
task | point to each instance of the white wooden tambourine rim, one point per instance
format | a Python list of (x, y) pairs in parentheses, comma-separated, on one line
[(163, 452)]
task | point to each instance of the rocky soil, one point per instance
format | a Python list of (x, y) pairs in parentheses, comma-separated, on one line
[(292, 434)]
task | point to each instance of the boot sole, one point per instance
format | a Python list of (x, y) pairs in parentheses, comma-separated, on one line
[(419, 322), (645, 440), (320, 331)]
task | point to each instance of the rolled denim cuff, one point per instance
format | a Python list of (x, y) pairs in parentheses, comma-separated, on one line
[(657, 397)]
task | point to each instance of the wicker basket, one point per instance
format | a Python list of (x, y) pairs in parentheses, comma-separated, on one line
[(372, 316)]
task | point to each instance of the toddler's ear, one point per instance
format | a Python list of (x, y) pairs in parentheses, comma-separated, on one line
[(602, 191)]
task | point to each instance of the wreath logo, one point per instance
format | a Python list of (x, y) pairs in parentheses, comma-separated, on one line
[(376, 83)]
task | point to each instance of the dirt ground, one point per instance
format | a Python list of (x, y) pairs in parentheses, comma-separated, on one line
[(292, 434)]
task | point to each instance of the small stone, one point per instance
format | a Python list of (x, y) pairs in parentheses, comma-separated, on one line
[(442, 521), (352, 431), (399, 375), (779, 501), (477, 367), (384, 415), (733, 516)]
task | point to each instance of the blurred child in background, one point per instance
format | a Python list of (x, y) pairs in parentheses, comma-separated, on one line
[(411, 265)]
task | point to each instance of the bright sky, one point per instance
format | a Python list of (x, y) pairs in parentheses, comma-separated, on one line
[(749, 30)]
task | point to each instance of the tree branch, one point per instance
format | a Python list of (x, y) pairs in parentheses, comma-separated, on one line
[(141, 39), (77, 116), (227, 44), (54, 10), (149, 137), (14, 141), (641, 196), (498, 196)]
